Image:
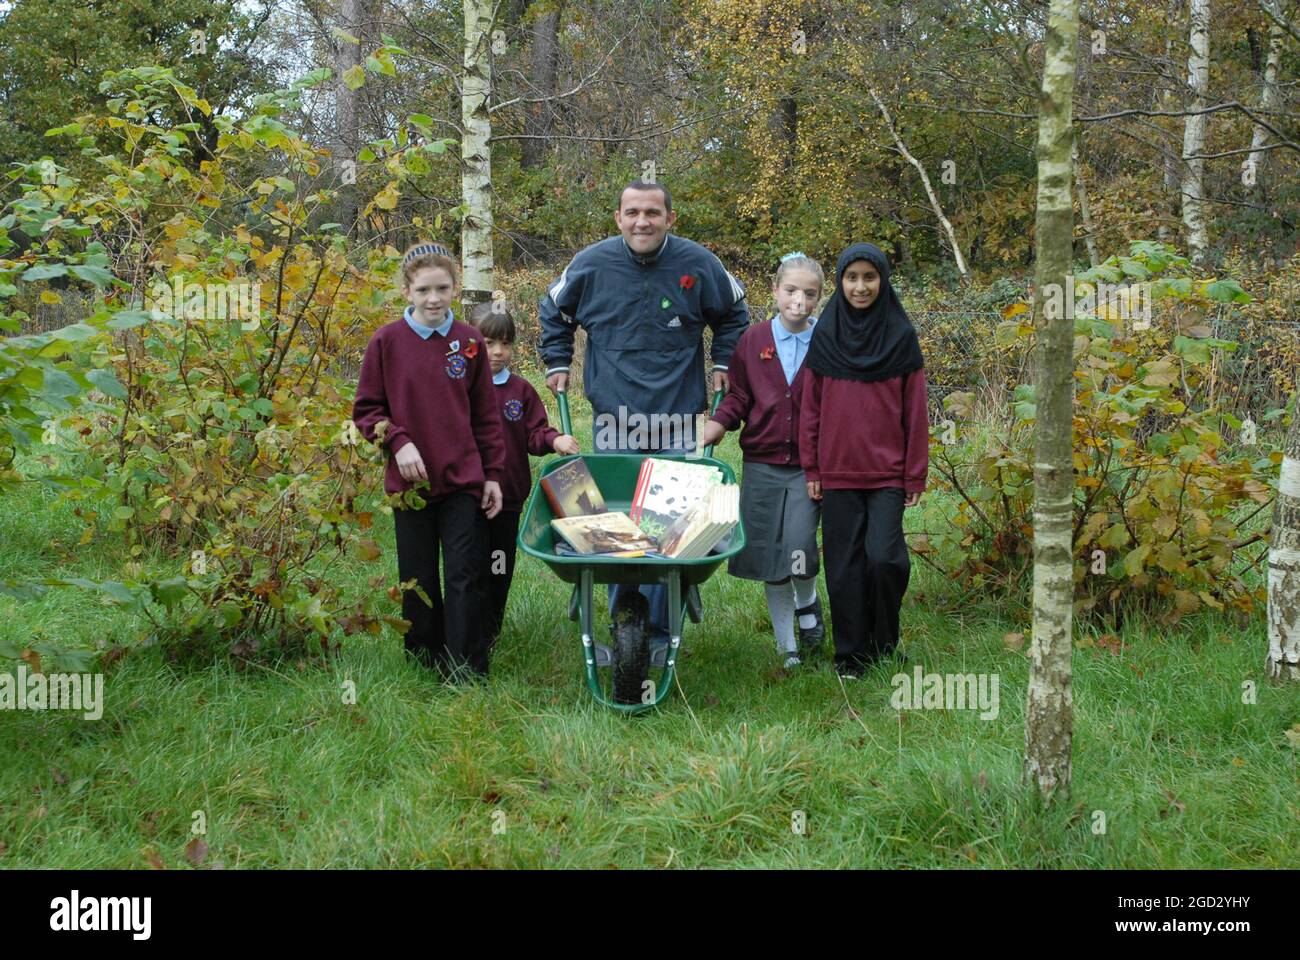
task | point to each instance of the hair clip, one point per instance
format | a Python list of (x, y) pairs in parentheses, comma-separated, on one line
[(437, 248), (791, 256)]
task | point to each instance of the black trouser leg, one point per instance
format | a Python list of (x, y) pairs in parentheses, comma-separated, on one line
[(888, 566), (867, 569), (462, 529), (500, 570), (417, 559), (844, 555)]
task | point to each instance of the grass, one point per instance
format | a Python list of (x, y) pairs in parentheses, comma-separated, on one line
[(526, 771)]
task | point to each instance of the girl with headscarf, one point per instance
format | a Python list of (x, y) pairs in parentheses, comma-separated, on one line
[(864, 440)]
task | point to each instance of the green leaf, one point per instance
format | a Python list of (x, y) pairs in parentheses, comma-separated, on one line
[(1227, 291), (128, 319), (354, 77), (1135, 558), (106, 382), (44, 271), (96, 275)]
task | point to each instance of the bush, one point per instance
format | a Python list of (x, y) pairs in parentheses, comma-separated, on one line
[(1164, 500)]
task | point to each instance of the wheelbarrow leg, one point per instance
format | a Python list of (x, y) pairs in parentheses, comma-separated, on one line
[(583, 593)]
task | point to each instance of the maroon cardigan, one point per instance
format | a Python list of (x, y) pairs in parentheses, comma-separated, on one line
[(527, 431), (864, 436), (758, 394), (440, 399)]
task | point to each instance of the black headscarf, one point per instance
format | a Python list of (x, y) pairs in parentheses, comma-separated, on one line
[(874, 343)]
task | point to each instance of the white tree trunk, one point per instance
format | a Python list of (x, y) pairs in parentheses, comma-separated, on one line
[(1049, 701), (1198, 81), (925, 182), (476, 155), (347, 132), (1267, 95), (1284, 566)]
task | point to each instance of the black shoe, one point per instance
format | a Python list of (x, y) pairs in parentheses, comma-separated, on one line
[(810, 638)]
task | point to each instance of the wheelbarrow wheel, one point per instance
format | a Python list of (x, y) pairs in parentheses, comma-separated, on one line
[(631, 646)]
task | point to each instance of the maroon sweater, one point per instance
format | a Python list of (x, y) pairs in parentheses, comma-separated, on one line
[(758, 394), (442, 401), (527, 431), (865, 436)]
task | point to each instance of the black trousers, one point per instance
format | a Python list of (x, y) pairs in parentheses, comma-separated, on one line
[(448, 635), (867, 569), (499, 570)]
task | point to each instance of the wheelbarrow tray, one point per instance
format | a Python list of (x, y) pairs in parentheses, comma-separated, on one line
[(616, 475)]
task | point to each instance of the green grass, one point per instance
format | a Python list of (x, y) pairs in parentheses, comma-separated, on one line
[(527, 771)]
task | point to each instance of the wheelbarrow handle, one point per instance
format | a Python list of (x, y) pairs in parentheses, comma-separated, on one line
[(566, 423), (717, 399)]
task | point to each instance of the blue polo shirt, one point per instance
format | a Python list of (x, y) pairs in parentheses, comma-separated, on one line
[(422, 330)]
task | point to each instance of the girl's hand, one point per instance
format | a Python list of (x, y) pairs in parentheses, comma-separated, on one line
[(711, 432), (912, 499), (814, 489), (566, 445), (410, 464), (491, 498)]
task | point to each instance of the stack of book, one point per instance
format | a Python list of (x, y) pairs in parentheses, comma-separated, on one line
[(679, 510), (666, 489), (702, 527)]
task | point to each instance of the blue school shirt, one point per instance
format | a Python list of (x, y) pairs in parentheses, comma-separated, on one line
[(502, 377), (791, 348), (426, 332)]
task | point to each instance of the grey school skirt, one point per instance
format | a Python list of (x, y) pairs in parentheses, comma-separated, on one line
[(779, 520)]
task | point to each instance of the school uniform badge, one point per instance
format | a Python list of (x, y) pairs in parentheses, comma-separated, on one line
[(514, 410), (456, 367)]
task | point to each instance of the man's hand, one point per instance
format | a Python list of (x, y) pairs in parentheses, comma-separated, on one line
[(719, 381), (410, 464), (912, 499), (566, 445), (814, 489), (711, 432), (491, 498), (558, 382)]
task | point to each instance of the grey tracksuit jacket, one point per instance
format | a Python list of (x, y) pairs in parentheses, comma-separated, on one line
[(645, 319)]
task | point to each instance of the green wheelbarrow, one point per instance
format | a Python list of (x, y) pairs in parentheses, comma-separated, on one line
[(628, 660)]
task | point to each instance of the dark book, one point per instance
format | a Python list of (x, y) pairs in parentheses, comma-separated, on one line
[(572, 491)]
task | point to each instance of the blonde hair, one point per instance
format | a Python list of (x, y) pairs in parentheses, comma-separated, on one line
[(428, 254)]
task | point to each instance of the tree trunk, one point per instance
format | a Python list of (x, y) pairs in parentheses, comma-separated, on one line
[(1198, 81), (476, 156), (545, 60), (1172, 205), (347, 134), (1267, 97), (925, 182), (1085, 209), (1284, 565), (1049, 707)]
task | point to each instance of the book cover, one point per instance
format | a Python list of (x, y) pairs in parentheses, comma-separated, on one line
[(603, 533), (572, 491), (667, 489), (704, 525)]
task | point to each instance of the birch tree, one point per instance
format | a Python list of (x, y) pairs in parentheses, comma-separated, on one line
[(1049, 711), (1284, 565), (476, 155), (1267, 96), (347, 97), (1198, 81)]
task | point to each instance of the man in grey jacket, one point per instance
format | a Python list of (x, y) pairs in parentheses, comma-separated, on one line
[(644, 298)]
